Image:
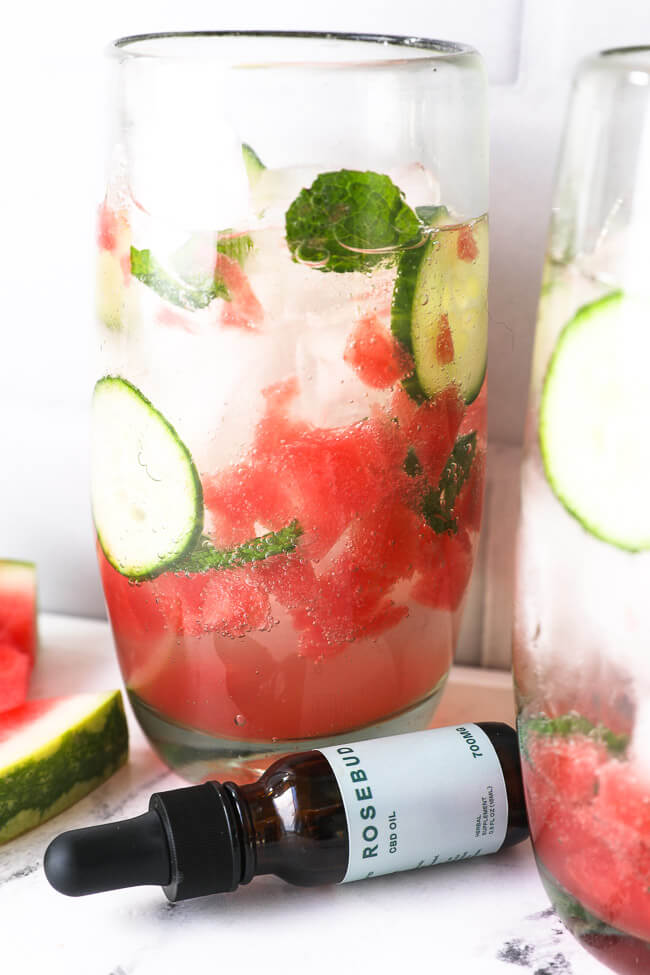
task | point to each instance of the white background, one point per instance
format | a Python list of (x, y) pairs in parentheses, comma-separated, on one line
[(53, 118)]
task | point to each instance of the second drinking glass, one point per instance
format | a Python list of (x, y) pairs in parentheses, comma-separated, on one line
[(289, 422)]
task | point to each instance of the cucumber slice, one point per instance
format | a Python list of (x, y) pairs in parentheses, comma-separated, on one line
[(254, 165), (594, 407), (439, 309), (146, 494)]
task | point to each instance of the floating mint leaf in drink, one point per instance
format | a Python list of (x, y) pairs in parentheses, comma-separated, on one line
[(570, 725), (208, 557), (237, 246), (350, 221), (438, 503), (149, 271)]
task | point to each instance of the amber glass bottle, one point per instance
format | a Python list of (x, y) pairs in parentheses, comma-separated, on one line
[(342, 813)]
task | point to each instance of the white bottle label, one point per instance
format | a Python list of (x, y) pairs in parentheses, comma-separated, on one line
[(419, 799)]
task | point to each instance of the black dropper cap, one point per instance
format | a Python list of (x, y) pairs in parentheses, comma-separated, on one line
[(188, 843)]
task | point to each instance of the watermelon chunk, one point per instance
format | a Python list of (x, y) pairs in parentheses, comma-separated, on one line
[(54, 752), (18, 606), (375, 355), (15, 668), (18, 637)]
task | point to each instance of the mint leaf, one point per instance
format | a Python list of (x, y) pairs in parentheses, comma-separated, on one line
[(146, 269), (411, 464), (438, 503), (237, 247), (208, 557), (566, 725), (346, 214)]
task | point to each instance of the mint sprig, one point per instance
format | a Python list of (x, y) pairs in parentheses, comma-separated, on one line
[(567, 725), (237, 247), (438, 503), (150, 272), (207, 557), (350, 220)]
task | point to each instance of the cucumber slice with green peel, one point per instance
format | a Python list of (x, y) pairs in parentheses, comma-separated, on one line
[(190, 296), (147, 498), (439, 310), (254, 165), (54, 752), (593, 414)]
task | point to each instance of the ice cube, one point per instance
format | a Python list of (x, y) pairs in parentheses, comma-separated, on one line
[(183, 153)]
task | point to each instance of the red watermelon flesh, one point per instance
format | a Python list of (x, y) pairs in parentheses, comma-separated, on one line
[(243, 310), (375, 355), (18, 634), (430, 428), (590, 822), (15, 668), (18, 606), (324, 477), (444, 564)]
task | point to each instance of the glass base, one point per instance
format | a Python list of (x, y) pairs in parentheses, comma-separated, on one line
[(197, 756), (623, 953)]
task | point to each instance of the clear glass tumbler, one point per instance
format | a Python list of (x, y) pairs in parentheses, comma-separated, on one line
[(289, 419), (582, 624)]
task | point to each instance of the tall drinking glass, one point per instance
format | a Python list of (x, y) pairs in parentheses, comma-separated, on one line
[(289, 418), (582, 626)]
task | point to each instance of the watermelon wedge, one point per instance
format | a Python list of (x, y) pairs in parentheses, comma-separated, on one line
[(18, 635), (18, 605), (54, 752), (15, 668)]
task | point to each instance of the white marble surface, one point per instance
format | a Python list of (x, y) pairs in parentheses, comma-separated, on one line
[(487, 916)]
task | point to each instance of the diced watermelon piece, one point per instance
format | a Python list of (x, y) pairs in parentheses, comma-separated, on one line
[(219, 601), (54, 752), (18, 606), (351, 604), (468, 509), (243, 310), (430, 428), (108, 227), (15, 668), (444, 342), (466, 247), (375, 355), (445, 567)]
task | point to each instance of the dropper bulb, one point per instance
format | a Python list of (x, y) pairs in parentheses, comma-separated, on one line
[(129, 853)]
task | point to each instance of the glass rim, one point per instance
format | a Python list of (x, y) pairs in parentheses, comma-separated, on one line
[(432, 49), (635, 57)]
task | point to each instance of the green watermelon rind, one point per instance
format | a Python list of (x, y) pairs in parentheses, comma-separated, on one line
[(64, 769)]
